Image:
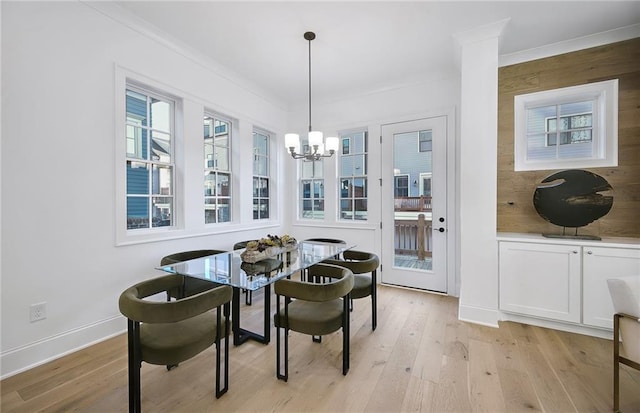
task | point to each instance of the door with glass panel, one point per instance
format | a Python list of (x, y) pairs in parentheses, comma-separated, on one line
[(414, 204)]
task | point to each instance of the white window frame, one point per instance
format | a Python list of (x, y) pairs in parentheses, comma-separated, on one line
[(316, 177), (213, 169), (267, 177), (127, 79), (364, 176), (605, 125)]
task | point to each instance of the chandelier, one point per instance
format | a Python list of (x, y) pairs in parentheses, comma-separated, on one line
[(315, 148)]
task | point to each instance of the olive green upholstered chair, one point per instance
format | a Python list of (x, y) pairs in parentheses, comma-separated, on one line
[(248, 295), (314, 309), (191, 285), (364, 266), (625, 295), (170, 332)]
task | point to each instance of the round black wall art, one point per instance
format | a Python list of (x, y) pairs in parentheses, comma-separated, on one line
[(572, 199)]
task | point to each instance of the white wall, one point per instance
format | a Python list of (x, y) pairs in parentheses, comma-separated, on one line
[(58, 179)]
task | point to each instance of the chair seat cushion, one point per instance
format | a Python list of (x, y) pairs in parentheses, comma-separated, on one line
[(361, 286), (172, 343), (313, 318)]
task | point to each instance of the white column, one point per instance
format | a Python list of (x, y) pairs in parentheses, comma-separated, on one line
[(478, 173)]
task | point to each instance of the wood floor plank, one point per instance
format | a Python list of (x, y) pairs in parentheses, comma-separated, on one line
[(485, 392)]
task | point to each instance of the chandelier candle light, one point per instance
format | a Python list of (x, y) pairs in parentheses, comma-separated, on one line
[(316, 146)]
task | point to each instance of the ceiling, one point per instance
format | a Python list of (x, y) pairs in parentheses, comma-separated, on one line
[(363, 46)]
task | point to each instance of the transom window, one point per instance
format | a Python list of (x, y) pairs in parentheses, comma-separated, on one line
[(574, 127), (353, 176), (217, 169), (149, 161)]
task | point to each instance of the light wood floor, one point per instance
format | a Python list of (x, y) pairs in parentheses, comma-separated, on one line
[(421, 358)]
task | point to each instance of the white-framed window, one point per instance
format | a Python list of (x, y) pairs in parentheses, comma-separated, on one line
[(353, 176), (425, 141), (572, 127), (217, 169), (261, 175), (150, 160), (312, 189), (401, 185), (425, 183)]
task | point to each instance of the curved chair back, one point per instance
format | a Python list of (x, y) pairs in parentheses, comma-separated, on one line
[(313, 309), (170, 332), (361, 263)]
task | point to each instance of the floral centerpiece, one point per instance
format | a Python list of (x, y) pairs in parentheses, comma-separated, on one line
[(268, 247)]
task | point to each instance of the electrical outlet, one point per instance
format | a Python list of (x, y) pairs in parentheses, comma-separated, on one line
[(38, 312)]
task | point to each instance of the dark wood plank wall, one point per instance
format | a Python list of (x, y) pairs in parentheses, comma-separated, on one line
[(620, 60)]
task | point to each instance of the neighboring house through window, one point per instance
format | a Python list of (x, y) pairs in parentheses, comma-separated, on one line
[(149, 159), (217, 169)]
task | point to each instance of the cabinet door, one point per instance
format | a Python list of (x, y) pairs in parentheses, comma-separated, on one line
[(540, 280), (599, 264)]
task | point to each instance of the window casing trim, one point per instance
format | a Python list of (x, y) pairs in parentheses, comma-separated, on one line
[(604, 125)]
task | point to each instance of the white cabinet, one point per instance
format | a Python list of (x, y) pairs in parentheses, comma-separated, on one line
[(599, 264), (540, 280), (561, 280)]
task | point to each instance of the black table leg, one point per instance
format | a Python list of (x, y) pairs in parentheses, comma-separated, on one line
[(240, 335)]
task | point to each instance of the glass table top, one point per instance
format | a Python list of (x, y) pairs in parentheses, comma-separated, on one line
[(228, 268)]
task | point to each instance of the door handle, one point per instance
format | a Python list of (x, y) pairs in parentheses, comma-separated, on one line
[(440, 229)]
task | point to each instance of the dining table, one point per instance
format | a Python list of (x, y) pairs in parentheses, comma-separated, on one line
[(228, 268)]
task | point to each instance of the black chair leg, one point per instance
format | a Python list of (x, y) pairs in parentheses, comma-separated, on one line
[(345, 337), (221, 388), (374, 301), (316, 339), (282, 376), (133, 337)]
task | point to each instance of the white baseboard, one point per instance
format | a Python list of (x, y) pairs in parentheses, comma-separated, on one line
[(478, 315), (559, 325), (23, 358)]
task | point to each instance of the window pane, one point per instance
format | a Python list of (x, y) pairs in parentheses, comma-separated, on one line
[(161, 180), (136, 108), (360, 209), (137, 178), (137, 212), (360, 164), (136, 142), (161, 146), (162, 211), (260, 144), (160, 115), (224, 210), (306, 189), (221, 158), (345, 188), (224, 184), (360, 188), (210, 210), (346, 208), (318, 189), (346, 144)]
